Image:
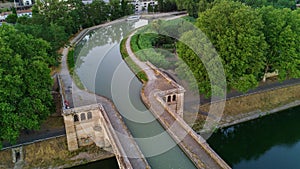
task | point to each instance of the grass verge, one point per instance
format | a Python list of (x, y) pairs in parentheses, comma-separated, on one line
[(245, 106), (71, 67), (137, 70)]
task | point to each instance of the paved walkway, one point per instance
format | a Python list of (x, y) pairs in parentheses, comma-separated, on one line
[(149, 72)]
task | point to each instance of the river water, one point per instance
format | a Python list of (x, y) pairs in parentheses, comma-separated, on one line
[(101, 69), (110, 163), (270, 142)]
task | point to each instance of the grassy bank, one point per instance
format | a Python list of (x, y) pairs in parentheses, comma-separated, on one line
[(71, 67), (147, 47), (54, 153), (254, 104), (137, 70)]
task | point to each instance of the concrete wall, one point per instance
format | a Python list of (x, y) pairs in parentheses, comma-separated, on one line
[(84, 127), (173, 96)]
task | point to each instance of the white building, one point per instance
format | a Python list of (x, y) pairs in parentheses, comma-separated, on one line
[(142, 5), (87, 1), (26, 2)]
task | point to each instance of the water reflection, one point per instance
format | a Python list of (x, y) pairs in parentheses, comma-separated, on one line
[(110, 163), (269, 142), (91, 50)]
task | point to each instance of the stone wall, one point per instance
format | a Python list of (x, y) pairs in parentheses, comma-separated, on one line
[(83, 127), (240, 109), (6, 159)]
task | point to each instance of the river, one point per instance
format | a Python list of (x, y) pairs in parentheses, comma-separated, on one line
[(110, 163), (270, 142), (101, 69)]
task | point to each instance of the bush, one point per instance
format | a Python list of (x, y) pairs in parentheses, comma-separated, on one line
[(11, 18)]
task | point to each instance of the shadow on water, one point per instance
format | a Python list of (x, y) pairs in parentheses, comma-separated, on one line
[(110, 163), (268, 142)]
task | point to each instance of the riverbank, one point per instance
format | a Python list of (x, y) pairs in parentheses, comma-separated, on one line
[(52, 153), (248, 107)]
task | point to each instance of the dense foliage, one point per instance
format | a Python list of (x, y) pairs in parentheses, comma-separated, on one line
[(237, 40), (250, 42), (282, 33), (25, 83), (30, 47), (193, 7)]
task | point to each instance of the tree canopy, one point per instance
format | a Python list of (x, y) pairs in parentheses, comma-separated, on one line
[(240, 43), (250, 41), (194, 7), (282, 32), (25, 83)]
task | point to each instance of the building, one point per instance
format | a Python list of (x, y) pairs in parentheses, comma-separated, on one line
[(297, 2), (142, 5), (26, 2), (87, 1), (25, 13)]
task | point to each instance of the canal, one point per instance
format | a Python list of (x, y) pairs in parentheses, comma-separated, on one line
[(102, 70), (270, 142)]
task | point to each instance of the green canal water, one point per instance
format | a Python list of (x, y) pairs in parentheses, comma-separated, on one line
[(270, 142)]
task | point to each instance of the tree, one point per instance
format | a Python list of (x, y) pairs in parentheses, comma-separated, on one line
[(240, 43), (203, 5), (25, 83), (115, 9), (150, 8), (11, 18), (255, 3), (282, 32), (23, 20), (126, 8), (97, 12), (192, 7), (53, 33), (275, 3)]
